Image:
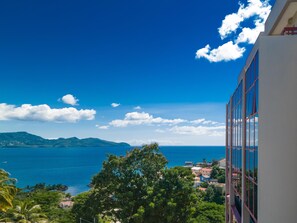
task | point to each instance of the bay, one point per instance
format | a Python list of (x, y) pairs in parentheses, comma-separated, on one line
[(75, 167)]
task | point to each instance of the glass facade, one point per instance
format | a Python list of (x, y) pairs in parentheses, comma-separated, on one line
[(236, 147), (242, 144), (251, 142)]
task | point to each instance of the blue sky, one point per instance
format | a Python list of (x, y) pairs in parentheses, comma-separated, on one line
[(169, 67)]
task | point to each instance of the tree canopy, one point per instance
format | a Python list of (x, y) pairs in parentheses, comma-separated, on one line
[(139, 188), (7, 191)]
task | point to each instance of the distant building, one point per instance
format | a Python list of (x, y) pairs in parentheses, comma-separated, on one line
[(261, 131), (196, 170), (189, 164), (222, 164), (206, 171), (66, 203), (204, 178)]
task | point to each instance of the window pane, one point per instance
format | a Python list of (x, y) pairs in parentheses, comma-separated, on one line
[(251, 163)]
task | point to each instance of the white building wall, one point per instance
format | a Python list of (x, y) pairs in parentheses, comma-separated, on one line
[(277, 190)]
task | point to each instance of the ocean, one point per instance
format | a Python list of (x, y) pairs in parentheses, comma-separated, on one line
[(75, 167)]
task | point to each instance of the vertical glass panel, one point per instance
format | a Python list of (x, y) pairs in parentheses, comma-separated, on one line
[(256, 201), (257, 64), (247, 142), (247, 155), (256, 166), (252, 132), (257, 95), (256, 131), (240, 159), (251, 200), (251, 163), (247, 191)]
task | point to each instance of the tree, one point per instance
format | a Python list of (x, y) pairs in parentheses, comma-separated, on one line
[(138, 188), (7, 191), (209, 213), (81, 207), (215, 162), (218, 174), (204, 185), (214, 194), (27, 212), (173, 199), (215, 172), (222, 179), (48, 200)]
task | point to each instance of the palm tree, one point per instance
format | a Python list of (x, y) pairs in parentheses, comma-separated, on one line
[(27, 212), (7, 190)]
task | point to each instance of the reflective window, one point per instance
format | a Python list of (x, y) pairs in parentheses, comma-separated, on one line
[(251, 147), (236, 146)]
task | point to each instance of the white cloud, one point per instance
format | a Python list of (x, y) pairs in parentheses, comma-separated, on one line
[(204, 121), (137, 108), (69, 99), (198, 121), (229, 24), (45, 113), (226, 52), (141, 118), (102, 127), (160, 131), (255, 8), (257, 11), (249, 35), (164, 142), (199, 130), (114, 105)]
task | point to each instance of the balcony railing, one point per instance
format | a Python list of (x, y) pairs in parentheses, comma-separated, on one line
[(289, 31)]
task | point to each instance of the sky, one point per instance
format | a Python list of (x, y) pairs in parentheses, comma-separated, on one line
[(132, 71)]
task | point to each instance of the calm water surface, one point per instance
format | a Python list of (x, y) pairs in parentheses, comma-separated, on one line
[(74, 167)]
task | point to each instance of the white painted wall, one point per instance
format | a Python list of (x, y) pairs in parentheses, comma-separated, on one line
[(277, 129)]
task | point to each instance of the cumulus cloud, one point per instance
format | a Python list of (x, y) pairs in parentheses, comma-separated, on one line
[(141, 118), (114, 105), (255, 10), (44, 113), (102, 127), (160, 131), (198, 121), (69, 99), (167, 142), (137, 108), (250, 35), (226, 52), (199, 130), (204, 121)]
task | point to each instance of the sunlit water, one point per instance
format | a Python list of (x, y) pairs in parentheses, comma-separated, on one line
[(75, 167)]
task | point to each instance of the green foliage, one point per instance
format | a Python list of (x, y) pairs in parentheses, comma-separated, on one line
[(7, 191), (214, 194), (215, 163), (204, 185), (218, 174), (209, 213), (45, 203), (43, 186), (26, 212), (84, 206), (138, 188), (222, 179)]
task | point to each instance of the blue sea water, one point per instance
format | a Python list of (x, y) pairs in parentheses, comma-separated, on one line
[(75, 167)]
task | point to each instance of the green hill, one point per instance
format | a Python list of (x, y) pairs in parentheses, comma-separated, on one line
[(24, 139)]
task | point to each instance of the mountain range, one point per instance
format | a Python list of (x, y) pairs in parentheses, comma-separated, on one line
[(25, 139)]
